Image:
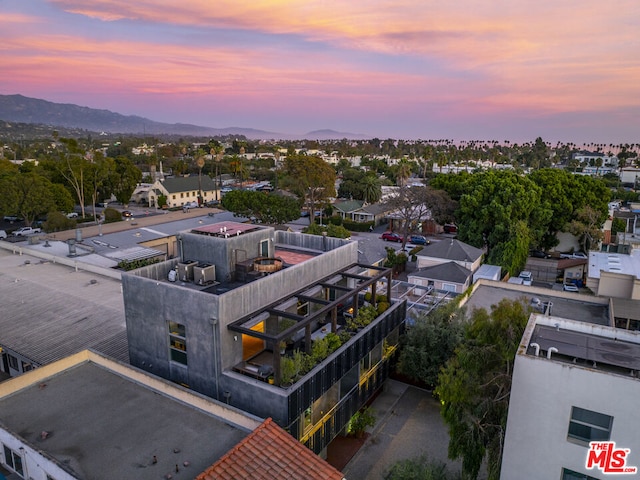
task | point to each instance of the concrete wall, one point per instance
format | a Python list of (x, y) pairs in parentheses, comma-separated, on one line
[(617, 285), (151, 302), (149, 306), (542, 395), (224, 253), (311, 242)]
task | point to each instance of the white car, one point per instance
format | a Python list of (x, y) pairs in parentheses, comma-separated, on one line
[(527, 278), (575, 255), (72, 215), (3, 234), (570, 288)]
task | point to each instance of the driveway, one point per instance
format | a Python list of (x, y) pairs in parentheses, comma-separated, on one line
[(408, 425)]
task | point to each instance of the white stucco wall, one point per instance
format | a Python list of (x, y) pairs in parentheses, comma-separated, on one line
[(543, 392)]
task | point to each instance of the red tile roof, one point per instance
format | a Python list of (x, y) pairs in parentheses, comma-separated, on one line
[(270, 453)]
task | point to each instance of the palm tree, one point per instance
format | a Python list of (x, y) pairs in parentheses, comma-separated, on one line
[(403, 172), (371, 189)]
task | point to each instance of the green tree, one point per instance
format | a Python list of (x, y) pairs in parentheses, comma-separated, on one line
[(420, 469), (124, 178), (311, 179), (563, 195), (265, 208), (586, 226), (475, 385), (73, 166), (491, 207), (27, 194), (430, 342)]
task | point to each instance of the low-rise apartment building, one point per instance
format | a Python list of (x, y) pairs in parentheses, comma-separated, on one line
[(243, 316)]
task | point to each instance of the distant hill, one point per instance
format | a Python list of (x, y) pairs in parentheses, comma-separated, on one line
[(18, 108), (327, 134)]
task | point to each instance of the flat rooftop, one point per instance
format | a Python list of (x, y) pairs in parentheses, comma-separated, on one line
[(578, 307), (104, 425), (50, 311), (615, 263), (596, 347)]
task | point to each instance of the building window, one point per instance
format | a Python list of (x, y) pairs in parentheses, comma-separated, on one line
[(588, 426), (13, 362), (177, 343), (174, 197), (449, 287), (26, 367), (181, 194), (571, 475), (13, 461)]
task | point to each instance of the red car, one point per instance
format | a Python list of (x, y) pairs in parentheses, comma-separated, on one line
[(392, 237)]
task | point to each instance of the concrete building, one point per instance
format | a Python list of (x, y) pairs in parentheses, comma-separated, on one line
[(574, 382), (50, 311), (615, 275), (246, 300), (89, 417)]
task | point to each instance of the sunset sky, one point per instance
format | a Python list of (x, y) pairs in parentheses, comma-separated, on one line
[(468, 69)]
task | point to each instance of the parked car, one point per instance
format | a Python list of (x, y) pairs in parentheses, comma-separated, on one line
[(24, 231), (11, 218), (72, 215), (570, 288), (574, 255), (450, 228), (419, 240), (3, 235), (527, 278), (391, 237), (540, 254)]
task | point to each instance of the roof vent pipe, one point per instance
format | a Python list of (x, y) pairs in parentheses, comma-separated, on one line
[(550, 351), (537, 347)]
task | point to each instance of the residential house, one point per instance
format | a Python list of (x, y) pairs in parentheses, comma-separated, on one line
[(359, 211), (450, 250), (185, 190), (244, 303), (449, 277)]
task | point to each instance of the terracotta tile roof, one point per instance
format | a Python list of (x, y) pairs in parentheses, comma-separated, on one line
[(270, 453)]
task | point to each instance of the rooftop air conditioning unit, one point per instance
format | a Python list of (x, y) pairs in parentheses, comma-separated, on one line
[(185, 270), (204, 274)]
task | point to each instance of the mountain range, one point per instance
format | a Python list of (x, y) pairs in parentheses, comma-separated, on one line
[(18, 108)]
